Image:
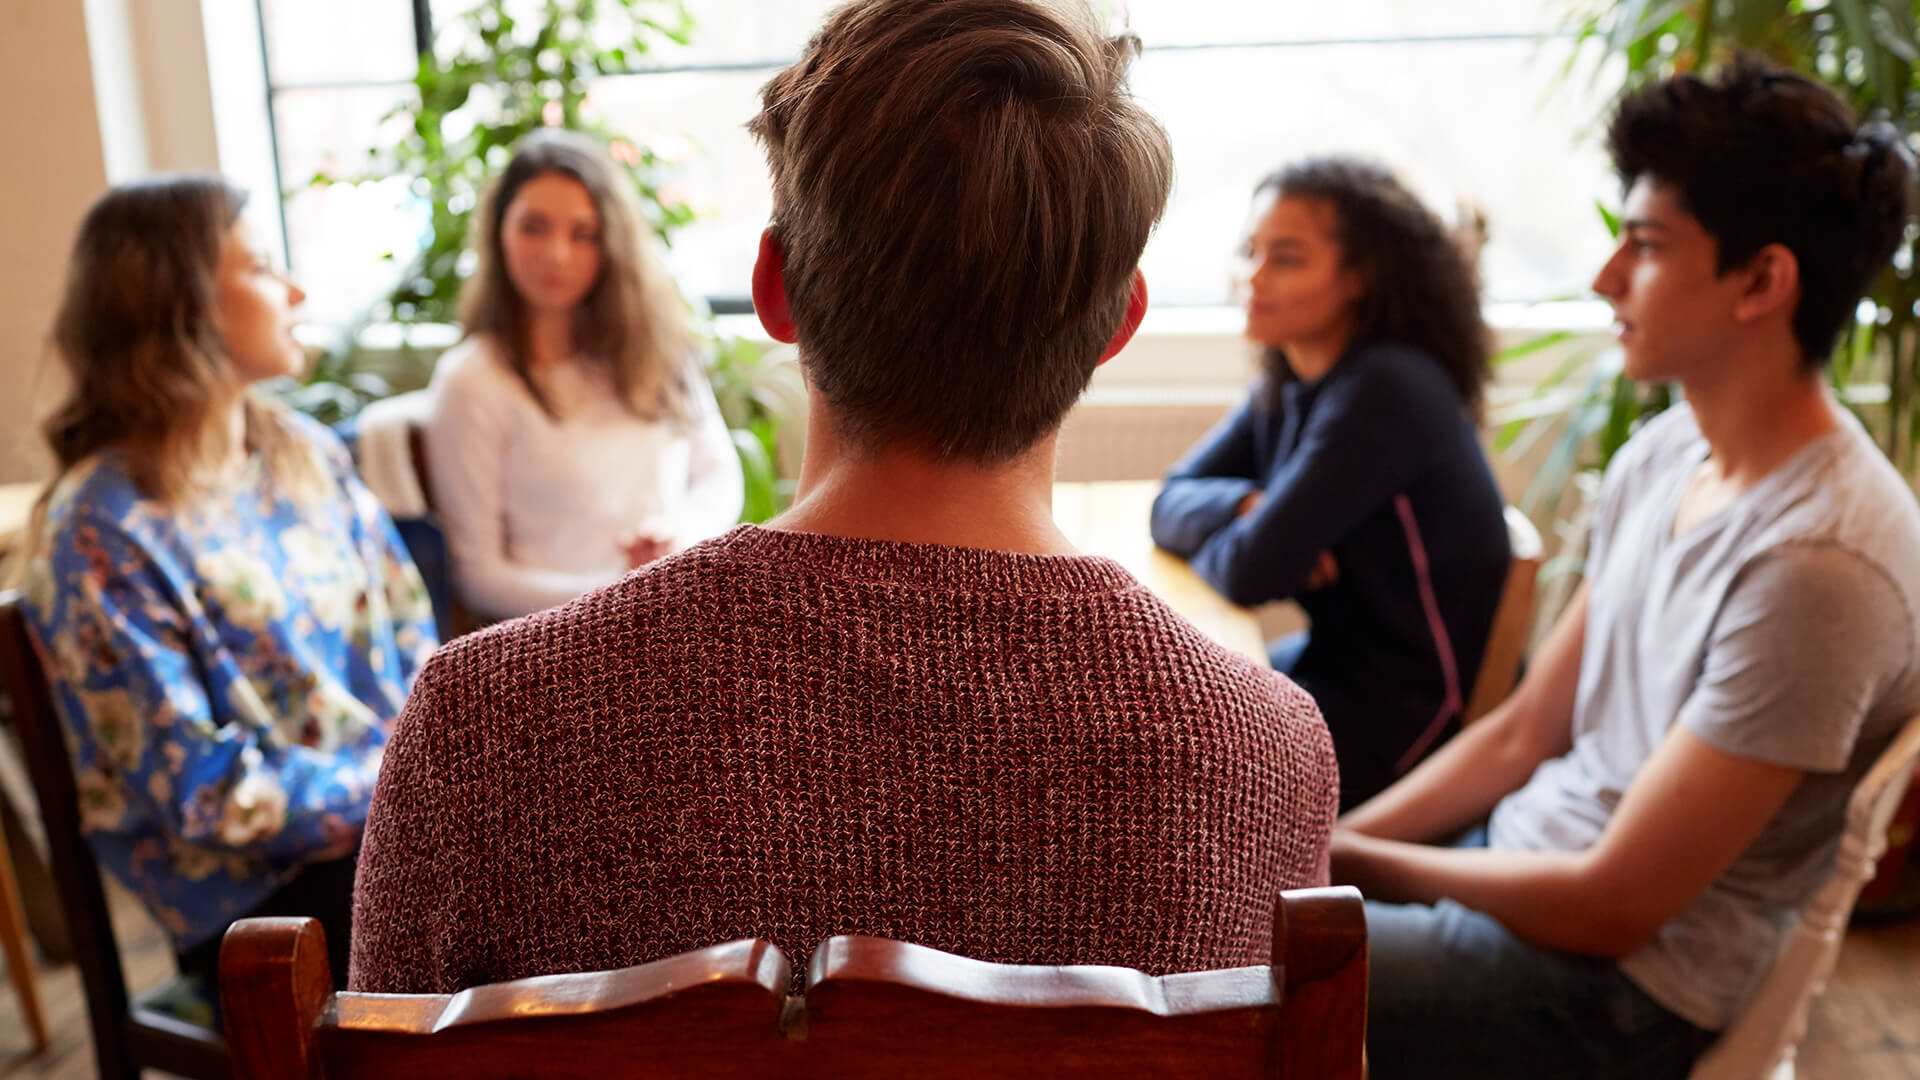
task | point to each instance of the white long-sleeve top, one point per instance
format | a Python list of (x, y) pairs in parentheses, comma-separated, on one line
[(535, 508)]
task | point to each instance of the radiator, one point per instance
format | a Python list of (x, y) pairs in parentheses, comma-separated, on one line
[(1132, 440)]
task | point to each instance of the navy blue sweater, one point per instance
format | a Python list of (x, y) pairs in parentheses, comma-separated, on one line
[(1377, 463)]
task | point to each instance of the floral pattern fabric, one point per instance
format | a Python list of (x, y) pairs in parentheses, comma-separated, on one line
[(227, 675)]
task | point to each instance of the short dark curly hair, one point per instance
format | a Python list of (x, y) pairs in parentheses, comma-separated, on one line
[(1421, 285), (1762, 155)]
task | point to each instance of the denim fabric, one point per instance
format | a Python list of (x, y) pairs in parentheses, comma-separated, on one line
[(1456, 994), (1285, 652)]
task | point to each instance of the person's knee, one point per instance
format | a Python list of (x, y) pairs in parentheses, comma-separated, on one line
[(1405, 943)]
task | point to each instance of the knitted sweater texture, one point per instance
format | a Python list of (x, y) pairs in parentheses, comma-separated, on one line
[(1017, 758)]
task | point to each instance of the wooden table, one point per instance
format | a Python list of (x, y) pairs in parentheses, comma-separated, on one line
[(1107, 518), (1110, 519)]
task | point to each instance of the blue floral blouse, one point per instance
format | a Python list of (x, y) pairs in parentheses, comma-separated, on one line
[(227, 675)]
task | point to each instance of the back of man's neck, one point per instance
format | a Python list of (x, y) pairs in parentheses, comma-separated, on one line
[(906, 496)]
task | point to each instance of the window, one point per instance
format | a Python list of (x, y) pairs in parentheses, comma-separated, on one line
[(1464, 100)]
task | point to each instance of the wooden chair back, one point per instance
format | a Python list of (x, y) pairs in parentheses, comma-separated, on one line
[(872, 1008), (1512, 620), (127, 1036), (13, 938), (460, 618), (1761, 1042), (417, 456)]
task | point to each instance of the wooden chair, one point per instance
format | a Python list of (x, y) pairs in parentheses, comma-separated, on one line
[(1762, 1041), (13, 914), (128, 1034), (873, 1008), (460, 619), (1512, 620), (13, 938)]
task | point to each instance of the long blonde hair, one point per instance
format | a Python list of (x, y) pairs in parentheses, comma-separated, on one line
[(632, 320), (137, 335)]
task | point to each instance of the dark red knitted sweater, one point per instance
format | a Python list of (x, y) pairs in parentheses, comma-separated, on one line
[(1018, 758)]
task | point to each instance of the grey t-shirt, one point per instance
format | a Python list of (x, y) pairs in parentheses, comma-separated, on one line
[(1780, 629)]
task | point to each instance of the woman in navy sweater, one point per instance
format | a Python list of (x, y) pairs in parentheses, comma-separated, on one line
[(1352, 480)]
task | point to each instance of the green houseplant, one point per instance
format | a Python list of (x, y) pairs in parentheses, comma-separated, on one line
[(498, 72), (1598, 417), (503, 78)]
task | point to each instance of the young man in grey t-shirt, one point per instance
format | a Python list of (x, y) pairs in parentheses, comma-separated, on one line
[(1665, 790)]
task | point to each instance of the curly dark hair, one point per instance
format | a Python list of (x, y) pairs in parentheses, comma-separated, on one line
[(1761, 156), (1421, 285)]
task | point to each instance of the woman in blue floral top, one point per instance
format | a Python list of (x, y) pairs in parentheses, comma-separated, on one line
[(227, 616)]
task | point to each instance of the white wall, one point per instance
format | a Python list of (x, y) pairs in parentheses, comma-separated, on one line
[(99, 92), (52, 167), (151, 82)]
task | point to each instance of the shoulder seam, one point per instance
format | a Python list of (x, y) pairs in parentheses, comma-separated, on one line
[(1808, 543)]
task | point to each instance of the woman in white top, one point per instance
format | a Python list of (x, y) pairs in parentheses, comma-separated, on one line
[(572, 436)]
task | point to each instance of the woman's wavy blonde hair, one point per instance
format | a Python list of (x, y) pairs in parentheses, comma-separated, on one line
[(633, 320), (137, 333)]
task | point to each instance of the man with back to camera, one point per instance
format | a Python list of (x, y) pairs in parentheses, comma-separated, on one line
[(1668, 784), (908, 708)]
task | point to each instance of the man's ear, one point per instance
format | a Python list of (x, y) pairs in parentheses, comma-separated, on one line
[(1773, 284), (1136, 310), (770, 290)]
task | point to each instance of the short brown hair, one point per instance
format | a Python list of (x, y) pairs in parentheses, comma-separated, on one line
[(962, 189)]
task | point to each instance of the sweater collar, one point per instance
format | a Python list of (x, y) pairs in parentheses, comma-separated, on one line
[(935, 566)]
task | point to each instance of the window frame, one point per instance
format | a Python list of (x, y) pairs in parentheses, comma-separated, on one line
[(738, 303)]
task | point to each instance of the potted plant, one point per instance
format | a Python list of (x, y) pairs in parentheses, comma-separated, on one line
[(492, 77)]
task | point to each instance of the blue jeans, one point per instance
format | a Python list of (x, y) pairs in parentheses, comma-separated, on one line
[(1283, 653), (1456, 994)]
